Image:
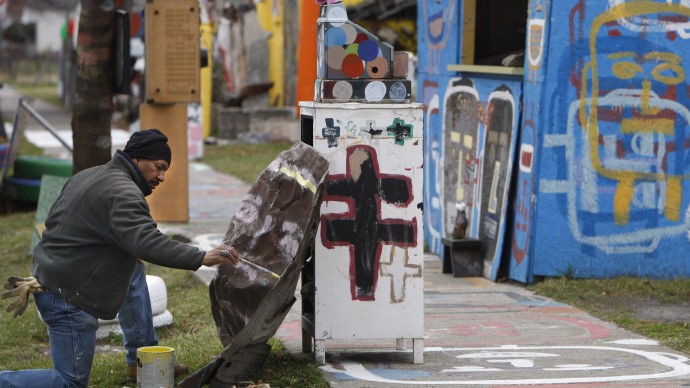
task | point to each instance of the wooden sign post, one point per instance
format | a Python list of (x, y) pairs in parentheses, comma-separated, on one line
[(172, 81), (170, 201)]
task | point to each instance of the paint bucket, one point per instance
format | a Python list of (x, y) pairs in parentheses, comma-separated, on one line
[(155, 367)]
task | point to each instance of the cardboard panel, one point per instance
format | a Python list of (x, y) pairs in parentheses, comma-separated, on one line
[(170, 201), (172, 51)]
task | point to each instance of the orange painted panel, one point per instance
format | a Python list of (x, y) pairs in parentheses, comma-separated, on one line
[(306, 66)]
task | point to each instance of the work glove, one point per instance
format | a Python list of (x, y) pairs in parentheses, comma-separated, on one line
[(19, 288)]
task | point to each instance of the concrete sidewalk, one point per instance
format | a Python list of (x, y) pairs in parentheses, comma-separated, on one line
[(477, 332)]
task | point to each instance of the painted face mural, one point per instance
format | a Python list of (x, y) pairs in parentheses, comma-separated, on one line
[(643, 22), (628, 164)]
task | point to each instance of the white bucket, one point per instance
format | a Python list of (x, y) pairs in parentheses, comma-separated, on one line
[(155, 367)]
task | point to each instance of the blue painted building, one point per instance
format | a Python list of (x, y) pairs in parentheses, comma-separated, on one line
[(572, 161)]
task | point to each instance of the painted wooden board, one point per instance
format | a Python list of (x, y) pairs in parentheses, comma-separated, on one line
[(369, 246), (480, 127), (172, 54)]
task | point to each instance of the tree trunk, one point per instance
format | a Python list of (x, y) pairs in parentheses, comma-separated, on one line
[(92, 109)]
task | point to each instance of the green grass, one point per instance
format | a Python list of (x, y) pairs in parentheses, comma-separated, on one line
[(619, 300), (244, 161), (46, 91), (24, 340), (26, 148), (283, 370)]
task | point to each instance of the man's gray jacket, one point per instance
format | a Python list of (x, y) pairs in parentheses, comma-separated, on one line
[(95, 232)]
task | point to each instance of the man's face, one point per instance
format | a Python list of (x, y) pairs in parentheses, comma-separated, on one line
[(153, 170)]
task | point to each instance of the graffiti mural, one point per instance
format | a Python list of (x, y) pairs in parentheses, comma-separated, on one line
[(496, 170), (512, 365), (461, 141), (433, 164), (363, 229), (369, 251), (602, 114), (480, 127), (459, 113), (522, 209), (438, 30), (615, 176)]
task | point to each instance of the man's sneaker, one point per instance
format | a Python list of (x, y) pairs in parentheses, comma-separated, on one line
[(131, 373)]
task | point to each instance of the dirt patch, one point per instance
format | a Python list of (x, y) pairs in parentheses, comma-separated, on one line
[(653, 310)]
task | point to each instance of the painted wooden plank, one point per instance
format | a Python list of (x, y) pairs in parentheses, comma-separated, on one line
[(487, 69), (469, 17), (172, 54)]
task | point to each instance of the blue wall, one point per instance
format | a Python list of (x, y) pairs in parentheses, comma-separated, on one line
[(471, 126), (523, 197), (601, 165), (613, 171), (438, 31)]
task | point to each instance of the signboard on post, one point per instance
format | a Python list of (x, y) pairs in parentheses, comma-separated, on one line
[(172, 51)]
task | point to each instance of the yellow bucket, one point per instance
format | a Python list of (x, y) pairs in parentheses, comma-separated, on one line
[(155, 367)]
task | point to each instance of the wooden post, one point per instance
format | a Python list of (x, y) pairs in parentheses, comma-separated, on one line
[(469, 27), (170, 201), (172, 81)]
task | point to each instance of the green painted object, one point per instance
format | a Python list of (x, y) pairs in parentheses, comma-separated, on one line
[(51, 186), (36, 166)]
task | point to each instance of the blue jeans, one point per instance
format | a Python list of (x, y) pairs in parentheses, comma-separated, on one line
[(68, 325), (136, 317), (72, 344)]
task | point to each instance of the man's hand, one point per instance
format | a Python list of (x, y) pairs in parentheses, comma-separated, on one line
[(221, 254), (19, 288)]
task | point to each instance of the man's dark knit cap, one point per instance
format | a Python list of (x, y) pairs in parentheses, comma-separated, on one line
[(149, 144)]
